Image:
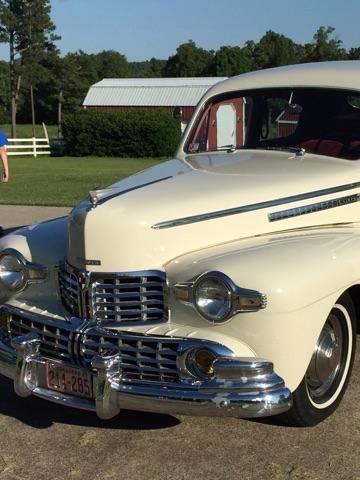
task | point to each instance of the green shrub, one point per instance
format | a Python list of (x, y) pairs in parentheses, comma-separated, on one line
[(132, 133)]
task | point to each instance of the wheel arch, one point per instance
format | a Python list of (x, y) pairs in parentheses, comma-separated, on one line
[(354, 293)]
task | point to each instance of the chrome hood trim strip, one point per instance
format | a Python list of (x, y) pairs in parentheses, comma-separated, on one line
[(313, 208), (255, 206), (95, 202)]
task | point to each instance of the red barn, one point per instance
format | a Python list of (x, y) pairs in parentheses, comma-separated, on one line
[(287, 123), (178, 95)]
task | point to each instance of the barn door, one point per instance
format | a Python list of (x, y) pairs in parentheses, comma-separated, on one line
[(226, 122)]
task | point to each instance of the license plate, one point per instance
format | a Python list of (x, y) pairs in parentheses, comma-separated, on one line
[(69, 379)]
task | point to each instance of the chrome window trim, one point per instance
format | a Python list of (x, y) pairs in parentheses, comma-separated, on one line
[(252, 207)]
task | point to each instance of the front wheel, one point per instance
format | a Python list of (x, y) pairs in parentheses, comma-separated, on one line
[(328, 373)]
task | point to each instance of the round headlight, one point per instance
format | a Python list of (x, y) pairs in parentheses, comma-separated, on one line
[(12, 273), (199, 363), (213, 297)]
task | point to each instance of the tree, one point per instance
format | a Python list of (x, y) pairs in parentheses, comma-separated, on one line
[(111, 64), (274, 50), (354, 53), (147, 69), (189, 61), (325, 47), (47, 91), (229, 61), (80, 70), (5, 92), (155, 68), (27, 27)]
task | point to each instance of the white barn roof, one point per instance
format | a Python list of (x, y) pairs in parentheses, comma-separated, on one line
[(149, 92)]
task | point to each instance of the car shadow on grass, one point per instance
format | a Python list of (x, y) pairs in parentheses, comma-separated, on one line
[(38, 413)]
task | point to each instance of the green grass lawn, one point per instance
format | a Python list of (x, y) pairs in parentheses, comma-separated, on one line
[(25, 130), (64, 181)]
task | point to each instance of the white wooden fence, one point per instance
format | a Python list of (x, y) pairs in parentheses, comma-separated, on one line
[(29, 146)]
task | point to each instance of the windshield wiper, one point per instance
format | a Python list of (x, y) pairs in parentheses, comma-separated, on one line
[(225, 148), (297, 150)]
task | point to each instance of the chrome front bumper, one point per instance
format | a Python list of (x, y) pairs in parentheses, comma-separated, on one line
[(241, 387)]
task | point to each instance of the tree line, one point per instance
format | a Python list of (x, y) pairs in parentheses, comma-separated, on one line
[(37, 82)]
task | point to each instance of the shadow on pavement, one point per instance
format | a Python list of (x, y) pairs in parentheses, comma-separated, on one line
[(39, 413)]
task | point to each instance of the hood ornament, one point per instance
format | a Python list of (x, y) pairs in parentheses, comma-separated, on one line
[(94, 197)]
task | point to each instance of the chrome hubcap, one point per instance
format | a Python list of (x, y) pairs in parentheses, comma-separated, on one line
[(325, 367)]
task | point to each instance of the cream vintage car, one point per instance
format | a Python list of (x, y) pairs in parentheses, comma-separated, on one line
[(223, 282)]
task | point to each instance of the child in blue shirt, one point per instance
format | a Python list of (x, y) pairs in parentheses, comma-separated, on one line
[(4, 160), (3, 156)]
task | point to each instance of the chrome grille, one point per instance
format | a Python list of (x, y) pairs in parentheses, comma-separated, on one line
[(142, 358), (120, 297), (69, 290), (54, 339), (128, 298)]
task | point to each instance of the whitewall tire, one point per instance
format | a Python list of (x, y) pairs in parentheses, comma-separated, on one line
[(328, 373)]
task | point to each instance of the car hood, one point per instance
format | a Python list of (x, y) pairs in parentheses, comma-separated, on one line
[(150, 218)]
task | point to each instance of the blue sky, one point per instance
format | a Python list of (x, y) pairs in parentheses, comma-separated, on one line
[(142, 29)]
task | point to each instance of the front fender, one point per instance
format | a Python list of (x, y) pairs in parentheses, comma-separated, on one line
[(302, 273), (294, 269), (43, 243)]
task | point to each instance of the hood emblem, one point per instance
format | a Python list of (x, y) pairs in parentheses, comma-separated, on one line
[(89, 262)]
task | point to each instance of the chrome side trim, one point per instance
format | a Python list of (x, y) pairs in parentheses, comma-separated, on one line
[(255, 206), (313, 208)]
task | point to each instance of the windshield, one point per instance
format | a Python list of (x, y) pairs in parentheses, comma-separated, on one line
[(322, 121)]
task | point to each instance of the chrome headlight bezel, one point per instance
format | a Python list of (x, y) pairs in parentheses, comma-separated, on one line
[(239, 299), (202, 370), (30, 272), (219, 299), (190, 370)]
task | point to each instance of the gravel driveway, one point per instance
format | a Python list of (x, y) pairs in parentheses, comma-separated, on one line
[(40, 440)]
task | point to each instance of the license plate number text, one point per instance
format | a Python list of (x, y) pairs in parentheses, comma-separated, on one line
[(68, 379)]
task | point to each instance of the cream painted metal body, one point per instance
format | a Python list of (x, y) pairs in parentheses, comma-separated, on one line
[(282, 223)]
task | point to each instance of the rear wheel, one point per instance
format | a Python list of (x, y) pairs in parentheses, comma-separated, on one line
[(328, 373)]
